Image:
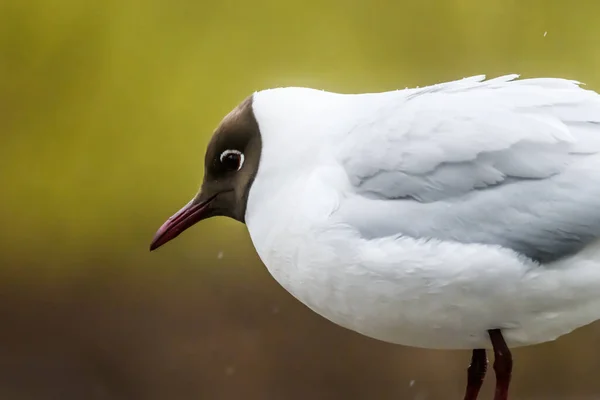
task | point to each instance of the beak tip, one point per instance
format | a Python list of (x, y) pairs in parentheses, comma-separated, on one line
[(156, 243), (180, 221)]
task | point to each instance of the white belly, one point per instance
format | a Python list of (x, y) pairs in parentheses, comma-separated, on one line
[(448, 325), (440, 295)]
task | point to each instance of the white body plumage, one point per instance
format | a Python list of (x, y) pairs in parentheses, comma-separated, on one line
[(426, 217)]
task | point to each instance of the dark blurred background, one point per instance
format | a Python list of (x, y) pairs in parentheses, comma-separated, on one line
[(105, 110)]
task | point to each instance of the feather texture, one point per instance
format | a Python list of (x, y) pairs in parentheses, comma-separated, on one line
[(415, 216), (506, 162)]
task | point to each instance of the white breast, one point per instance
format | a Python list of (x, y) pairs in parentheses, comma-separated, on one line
[(417, 293)]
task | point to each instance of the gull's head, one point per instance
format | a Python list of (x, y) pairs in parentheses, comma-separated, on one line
[(278, 128), (230, 165)]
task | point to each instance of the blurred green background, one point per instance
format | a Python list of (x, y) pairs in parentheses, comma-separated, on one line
[(105, 110)]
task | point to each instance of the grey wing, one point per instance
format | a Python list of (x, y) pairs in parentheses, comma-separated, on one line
[(508, 163)]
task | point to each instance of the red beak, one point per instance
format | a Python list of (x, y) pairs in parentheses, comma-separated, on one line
[(192, 213)]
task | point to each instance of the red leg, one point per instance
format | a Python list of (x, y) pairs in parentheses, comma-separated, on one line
[(502, 364), (476, 373)]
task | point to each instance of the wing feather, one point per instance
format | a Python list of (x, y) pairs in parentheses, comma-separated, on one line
[(470, 142)]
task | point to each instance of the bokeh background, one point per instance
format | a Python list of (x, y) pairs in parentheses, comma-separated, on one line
[(105, 110)]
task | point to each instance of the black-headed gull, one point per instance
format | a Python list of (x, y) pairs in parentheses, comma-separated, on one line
[(463, 215)]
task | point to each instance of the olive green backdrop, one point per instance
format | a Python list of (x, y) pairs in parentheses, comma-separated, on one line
[(105, 110)]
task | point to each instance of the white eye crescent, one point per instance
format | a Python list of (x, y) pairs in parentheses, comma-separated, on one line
[(232, 159)]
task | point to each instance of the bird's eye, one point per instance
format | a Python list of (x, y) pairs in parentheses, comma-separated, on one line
[(232, 160)]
